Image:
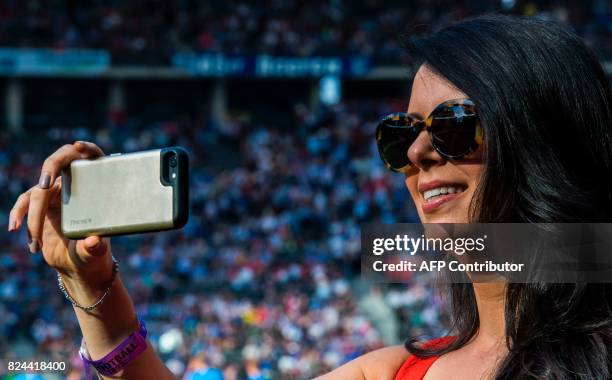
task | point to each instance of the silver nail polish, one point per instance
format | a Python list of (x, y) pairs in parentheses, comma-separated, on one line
[(45, 181), (34, 246)]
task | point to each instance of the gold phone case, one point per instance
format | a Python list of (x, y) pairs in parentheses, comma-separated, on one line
[(125, 193)]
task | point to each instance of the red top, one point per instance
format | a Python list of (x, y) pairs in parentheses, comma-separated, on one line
[(415, 368)]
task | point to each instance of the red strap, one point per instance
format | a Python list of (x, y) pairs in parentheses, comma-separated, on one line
[(415, 368)]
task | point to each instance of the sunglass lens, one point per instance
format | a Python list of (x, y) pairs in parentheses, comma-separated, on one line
[(453, 130), (394, 135)]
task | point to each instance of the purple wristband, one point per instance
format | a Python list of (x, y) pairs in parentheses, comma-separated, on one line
[(118, 358)]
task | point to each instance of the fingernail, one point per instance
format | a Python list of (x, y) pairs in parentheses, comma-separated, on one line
[(12, 226), (34, 245), (45, 181), (80, 144)]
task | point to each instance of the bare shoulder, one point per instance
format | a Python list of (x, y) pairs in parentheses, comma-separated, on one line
[(379, 364), (385, 362)]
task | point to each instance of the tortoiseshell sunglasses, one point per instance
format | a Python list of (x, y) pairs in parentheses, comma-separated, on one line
[(453, 127)]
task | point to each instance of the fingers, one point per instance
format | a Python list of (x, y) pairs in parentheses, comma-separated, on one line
[(19, 211), (88, 254), (92, 259), (36, 217), (89, 148), (93, 245), (55, 199), (22, 204), (62, 158), (51, 169)]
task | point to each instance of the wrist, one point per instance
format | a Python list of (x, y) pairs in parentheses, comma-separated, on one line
[(91, 278), (87, 293), (121, 356)]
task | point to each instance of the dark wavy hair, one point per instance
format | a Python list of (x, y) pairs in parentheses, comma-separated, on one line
[(545, 105)]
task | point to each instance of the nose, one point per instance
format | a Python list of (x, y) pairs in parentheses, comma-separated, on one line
[(422, 154)]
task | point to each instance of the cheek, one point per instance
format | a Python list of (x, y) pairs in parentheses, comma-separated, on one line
[(474, 173), (412, 185)]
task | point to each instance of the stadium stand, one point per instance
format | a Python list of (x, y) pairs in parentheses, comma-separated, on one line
[(263, 282)]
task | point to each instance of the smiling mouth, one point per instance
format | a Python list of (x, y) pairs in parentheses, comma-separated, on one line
[(435, 197), (435, 193)]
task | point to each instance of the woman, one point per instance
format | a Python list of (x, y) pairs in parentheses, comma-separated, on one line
[(543, 105)]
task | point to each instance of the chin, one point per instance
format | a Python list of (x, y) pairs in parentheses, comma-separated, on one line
[(458, 214), (444, 219)]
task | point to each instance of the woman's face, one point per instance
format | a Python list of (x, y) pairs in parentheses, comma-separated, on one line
[(432, 171)]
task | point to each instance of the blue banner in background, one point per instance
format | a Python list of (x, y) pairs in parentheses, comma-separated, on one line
[(33, 61), (53, 62), (266, 66)]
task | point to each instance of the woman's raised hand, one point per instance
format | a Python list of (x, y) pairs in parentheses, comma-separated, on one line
[(88, 260)]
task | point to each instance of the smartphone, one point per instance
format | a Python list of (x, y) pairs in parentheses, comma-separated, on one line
[(126, 193)]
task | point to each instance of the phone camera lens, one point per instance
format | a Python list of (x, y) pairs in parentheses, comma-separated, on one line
[(172, 161)]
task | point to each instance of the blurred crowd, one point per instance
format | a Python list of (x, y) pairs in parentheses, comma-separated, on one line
[(264, 280), (149, 31)]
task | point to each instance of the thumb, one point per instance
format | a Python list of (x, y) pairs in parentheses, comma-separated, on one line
[(91, 258), (95, 246)]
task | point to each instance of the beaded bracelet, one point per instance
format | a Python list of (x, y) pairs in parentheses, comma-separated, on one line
[(62, 287)]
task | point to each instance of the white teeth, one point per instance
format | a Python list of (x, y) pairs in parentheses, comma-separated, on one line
[(441, 191)]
